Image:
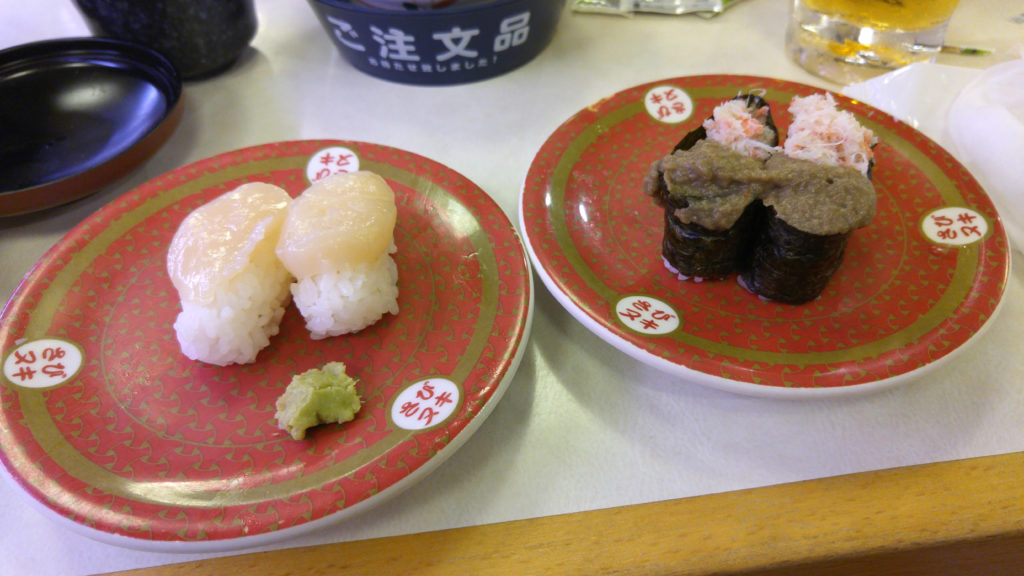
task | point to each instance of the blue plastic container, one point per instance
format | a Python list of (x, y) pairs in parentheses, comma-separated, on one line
[(442, 46)]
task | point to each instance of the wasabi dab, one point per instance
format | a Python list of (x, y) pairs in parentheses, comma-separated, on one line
[(317, 396)]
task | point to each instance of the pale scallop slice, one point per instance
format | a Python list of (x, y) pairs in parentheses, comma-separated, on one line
[(220, 239), (343, 220)]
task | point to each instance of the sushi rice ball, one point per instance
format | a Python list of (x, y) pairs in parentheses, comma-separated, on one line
[(337, 240), (232, 287)]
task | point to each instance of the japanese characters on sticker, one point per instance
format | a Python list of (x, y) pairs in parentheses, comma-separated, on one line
[(425, 404), (955, 226), (330, 161), (647, 315), (43, 363), (668, 104)]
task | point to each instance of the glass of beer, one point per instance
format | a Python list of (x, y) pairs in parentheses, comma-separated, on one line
[(851, 40)]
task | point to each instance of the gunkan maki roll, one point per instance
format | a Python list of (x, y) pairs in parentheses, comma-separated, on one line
[(707, 187), (734, 201), (819, 193)]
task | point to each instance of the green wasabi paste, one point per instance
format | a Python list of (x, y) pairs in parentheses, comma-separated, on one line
[(317, 396)]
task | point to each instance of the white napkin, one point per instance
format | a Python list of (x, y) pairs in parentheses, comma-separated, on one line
[(986, 123), (978, 115)]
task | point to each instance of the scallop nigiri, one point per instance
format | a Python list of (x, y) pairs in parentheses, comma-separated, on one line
[(233, 289), (337, 241)]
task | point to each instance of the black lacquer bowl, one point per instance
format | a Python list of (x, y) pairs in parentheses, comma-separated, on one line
[(75, 114)]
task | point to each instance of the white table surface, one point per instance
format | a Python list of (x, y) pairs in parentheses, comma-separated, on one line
[(582, 426)]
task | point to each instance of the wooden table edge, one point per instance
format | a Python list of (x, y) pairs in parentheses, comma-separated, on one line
[(956, 517)]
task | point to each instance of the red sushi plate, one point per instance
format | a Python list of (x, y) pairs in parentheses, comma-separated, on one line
[(916, 285), (111, 430)]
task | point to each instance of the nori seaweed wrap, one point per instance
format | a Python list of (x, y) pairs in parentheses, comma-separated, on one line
[(810, 211), (694, 248), (694, 251), (789, 265)]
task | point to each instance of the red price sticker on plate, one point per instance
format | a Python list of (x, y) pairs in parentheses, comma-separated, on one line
[(647, 315), (330, 161), (42, 363), (425, 404), (668, 104), (955, 226)]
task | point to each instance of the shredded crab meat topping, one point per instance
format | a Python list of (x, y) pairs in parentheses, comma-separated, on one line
[(821, 133), (735, 125)]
